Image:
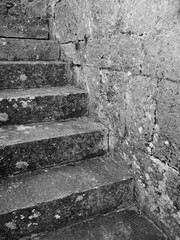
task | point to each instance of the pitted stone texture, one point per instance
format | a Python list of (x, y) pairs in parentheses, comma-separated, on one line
[(23, 27), (39, 74), (29, 147), (18, 20), (161, 55), (118, 52), (44, 201), (42, 104), (168, 145), (125, 225), (32, 8), (27, 49)]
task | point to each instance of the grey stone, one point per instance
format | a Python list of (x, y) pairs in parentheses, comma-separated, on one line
[(28, 49), (15, 75), (33, 146), (43, 104), (45, 200)]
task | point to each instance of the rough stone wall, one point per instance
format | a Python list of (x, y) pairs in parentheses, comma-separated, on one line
[(126, 53)]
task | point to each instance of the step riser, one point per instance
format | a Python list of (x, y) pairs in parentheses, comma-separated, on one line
[(34, 109), (24, 27), (61, 213), (33, 75), (27, 19), (56, 151), (28, 50)]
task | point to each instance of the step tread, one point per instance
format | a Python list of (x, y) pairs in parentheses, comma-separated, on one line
[(43, 186), (17, 134), (34, 92), (124, 225)]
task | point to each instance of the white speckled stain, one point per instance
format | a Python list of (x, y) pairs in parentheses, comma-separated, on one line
[(24, 104), (140, 130), (79, 198), (23, 128), (35, 215), (57, 216), (11, 225), (15, 105), (23, 77), (3, 117), (22, 165)]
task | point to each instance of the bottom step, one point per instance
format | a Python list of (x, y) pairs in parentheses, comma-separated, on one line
[(126, 225), (54, 198)]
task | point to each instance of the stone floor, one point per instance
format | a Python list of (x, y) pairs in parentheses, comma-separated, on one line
[(125, 225)]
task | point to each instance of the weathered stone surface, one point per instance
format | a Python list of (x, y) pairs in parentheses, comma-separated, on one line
[(118, 52), (29, 147), (58, 197), (140, 99), (167, 148), (33, 74), (70, 20), (23, 27), (126, 225), (24, 19), (161, 58), (138, 41), (35, 8), (43, 104), (27, 49)]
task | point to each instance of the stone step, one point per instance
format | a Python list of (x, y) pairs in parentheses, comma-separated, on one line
[(57, 197), (23, 27), (41, 104), (117, 225), (21, 74), (28, 50), (34, 146)]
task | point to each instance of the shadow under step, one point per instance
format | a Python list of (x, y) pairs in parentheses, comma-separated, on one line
[(21, 74), (54, 198), (34, 146), (41, 104)]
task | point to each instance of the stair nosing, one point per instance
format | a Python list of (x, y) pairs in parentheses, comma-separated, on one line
[(31, 92), (83, 125)]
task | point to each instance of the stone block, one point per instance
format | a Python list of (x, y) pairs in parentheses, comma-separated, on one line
[(29, 147), (125, 225), (16, 27), (42, 104), (28, 50), (119, 52), (15, 75), (168, 107), (58, 197), (24, 19), (162, 55), (141, 109)]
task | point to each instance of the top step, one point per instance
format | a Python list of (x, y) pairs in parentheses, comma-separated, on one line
[(18, 20)]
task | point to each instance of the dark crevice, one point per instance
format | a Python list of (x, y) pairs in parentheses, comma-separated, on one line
[(24, 38)]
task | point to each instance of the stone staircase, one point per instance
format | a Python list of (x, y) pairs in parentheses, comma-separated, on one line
[(55, 169), (54, 165)]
